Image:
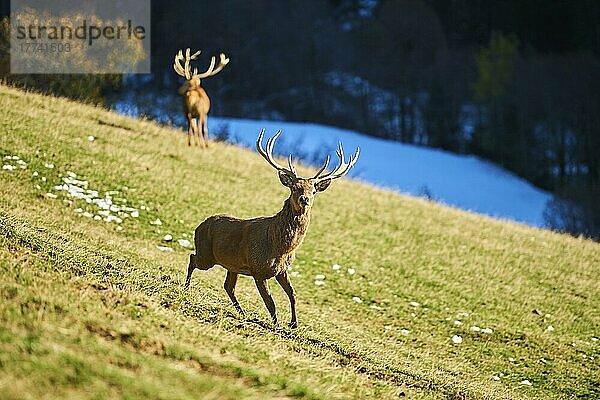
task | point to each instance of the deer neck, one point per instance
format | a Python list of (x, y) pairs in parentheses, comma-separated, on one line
[(289, 228)]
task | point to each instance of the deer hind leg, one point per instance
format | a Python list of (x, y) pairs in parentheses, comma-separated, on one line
[(197, 130), (230, 282), (263, 289), (195, 263), (286, 285)]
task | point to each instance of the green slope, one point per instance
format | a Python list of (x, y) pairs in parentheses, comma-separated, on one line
[(93, 309)]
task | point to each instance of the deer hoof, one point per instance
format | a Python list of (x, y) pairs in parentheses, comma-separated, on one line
[(293, 324)]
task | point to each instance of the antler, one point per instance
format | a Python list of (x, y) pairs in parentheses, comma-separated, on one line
[(267, 154), (185, 70), (223, 61), (342, 169)]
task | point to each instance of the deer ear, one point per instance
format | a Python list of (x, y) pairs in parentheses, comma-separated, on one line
[(322, 185), (286, 179)]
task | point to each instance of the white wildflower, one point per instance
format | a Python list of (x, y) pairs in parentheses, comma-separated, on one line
[(487, 330), (156, 222), (414, 304), (595, 339), (319, 277), (167, 238), (295, 274), (404, 332), (49, 165), (97, 218), (8, 167), (88, 214), (475, 329), (91, 138), (336, 267), (351, 271), (357, 299), (51, 195), (164, 248), (135, 213), (375, 307), (35, 173), (495, 378), (319, 283), (525, 382), (457, 323), (78, 210), (457, 339), (550, 328)]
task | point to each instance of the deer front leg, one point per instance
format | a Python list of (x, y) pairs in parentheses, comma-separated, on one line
[(263, 289), (230, 282), (204, 131), (284, 281), (190, 128)]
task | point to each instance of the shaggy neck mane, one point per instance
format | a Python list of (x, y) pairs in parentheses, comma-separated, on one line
[(289, 228)]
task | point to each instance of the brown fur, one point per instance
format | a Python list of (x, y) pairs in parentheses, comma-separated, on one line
[(261, 247), (264, 247), (196, 106)]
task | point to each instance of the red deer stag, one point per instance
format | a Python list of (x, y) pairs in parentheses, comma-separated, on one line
[(264, 247), (196, 103)]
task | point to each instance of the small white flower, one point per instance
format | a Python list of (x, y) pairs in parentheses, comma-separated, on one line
[(295, 274), (119, 228), (49, 165), (156, 222), (97, 218), (8, 167), (184, 242), (88, 214), (35, 173), (550, 328), (38, 187), (91, 138), (457, 323), (71, 174), (51, 195), (351, 271), (457, 339), (387, 328), (43, 179), (414, 304), (319, 277), (525, 382), (164, 248), (404, 332), (336, 267), (595, 339), (487, 330), (78, 210), (510, 359), (167, 238), (319, 283), (375, 307), (135, 213), (475, 328), (495, 378), (357, 299)]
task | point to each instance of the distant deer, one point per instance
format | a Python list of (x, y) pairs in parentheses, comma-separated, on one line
[(264, 247), (196, 103)]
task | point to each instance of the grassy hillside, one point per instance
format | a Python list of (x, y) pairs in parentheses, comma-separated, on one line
[(94, 309)]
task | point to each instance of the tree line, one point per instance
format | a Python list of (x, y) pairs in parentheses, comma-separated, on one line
[(514, 82)]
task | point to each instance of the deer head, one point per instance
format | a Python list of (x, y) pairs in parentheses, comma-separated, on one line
[(193, 78), (303, 190)]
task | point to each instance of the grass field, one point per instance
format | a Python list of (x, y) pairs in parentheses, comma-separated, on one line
[(94, 309)]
